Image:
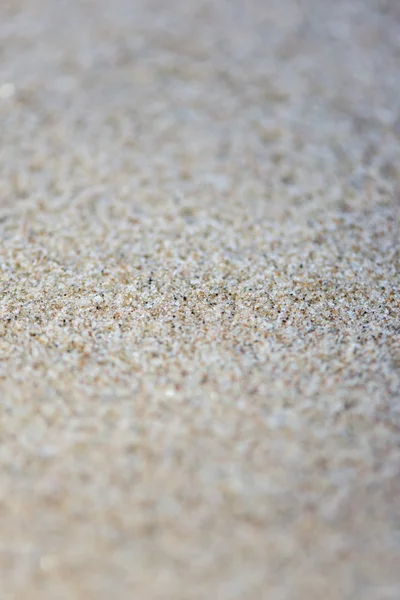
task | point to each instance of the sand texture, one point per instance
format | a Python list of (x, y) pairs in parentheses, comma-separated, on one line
[(199, 300)]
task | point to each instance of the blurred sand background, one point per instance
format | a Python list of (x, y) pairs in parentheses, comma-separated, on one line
[(199, 351)]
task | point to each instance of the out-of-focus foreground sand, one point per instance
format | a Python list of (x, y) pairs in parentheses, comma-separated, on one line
[(200, 360)]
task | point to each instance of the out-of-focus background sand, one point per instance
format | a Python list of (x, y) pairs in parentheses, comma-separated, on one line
[(200, 360)]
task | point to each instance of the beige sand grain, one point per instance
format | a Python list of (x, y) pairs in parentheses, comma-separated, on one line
[(200, 354)]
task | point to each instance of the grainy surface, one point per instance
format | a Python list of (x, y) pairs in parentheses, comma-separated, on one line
[(200, 360)]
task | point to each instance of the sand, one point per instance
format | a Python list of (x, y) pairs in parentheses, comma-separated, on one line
[(200, 309)]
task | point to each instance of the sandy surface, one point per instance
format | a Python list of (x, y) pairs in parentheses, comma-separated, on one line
[(200, 357)]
